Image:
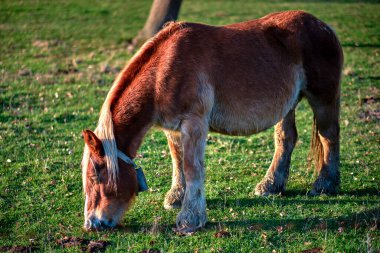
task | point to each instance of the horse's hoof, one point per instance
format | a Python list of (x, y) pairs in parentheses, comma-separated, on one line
[(188, 222), (324, 186), (173, 198), (172, 204), (266, 188), (261, 192), (318, 192), (185, 231)]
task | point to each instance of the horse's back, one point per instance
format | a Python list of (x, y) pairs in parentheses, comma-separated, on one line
[(255, 70)]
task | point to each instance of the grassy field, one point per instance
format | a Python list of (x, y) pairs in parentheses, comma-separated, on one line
[(57, 62)]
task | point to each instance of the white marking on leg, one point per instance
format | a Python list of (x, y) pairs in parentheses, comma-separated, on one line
[(193, 213)]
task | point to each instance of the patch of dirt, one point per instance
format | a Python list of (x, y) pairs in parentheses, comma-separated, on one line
[(70, 241), (45, 78), (24, 72), (368, 115), (23, 249), (370, 100), (45, 44), (370, 105), (69, 69), (96, 246), (41, 43), (256, 227), (84, 244), (222, 234)]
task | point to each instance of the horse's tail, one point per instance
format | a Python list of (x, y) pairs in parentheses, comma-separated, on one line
[(316, 148)]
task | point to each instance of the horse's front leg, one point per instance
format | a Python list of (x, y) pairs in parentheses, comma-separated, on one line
[(174, 196), (193, 213)]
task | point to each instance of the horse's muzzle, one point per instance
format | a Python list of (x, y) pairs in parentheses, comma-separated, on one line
[(95, 224)]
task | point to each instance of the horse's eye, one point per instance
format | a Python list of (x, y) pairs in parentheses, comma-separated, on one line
[(95, 179), (98, 167)]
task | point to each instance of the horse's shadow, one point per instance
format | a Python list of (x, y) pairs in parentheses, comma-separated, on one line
[(369, 218), (290, 198)]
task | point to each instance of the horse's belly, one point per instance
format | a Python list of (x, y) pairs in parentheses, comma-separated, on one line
[(233, 121), (251, 109)]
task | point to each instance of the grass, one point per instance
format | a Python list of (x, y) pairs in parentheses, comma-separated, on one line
[(57, 62)]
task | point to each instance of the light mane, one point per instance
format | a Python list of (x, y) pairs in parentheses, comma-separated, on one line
[(105, 130)]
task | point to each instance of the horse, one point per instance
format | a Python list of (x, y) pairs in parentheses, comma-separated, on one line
[(237, 79)]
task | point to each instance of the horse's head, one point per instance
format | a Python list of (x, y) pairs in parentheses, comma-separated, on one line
[(107, 198)]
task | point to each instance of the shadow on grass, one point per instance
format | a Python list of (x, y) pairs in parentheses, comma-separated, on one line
[(278, 200), (360, 45), (370, 78), (369, 219), (356, 192), (362, 192)]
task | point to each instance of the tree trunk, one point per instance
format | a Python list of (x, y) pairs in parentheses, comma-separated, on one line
[(161, 12)]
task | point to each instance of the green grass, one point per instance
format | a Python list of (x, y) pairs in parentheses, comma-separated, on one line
[(43, 112)]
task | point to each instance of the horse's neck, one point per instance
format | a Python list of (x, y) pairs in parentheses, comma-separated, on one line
[(132, 117)]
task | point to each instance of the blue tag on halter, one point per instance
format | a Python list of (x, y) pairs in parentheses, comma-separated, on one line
[(143, 186)]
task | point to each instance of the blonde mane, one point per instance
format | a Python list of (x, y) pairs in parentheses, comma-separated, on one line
[(105, 130)]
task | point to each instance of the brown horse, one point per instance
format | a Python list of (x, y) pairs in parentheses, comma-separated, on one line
[(238, 79)]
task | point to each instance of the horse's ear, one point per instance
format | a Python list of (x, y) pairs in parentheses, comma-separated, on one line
[(94, 144)]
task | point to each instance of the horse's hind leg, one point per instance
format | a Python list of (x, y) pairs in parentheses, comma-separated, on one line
[(326, 146), (174, 196), (285, 136), (322, 61)]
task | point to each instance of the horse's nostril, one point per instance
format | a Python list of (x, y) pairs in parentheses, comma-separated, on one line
[(104, 224), (94, 223)]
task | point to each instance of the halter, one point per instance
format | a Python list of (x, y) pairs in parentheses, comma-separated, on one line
[(126, 158), (143, 186)]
